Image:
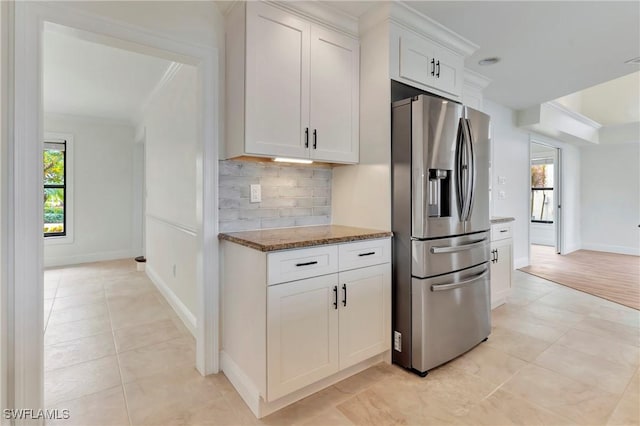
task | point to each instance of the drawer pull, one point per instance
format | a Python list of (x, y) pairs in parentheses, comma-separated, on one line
[(453, 249), (504, 230), (315, 262), (367, 254)]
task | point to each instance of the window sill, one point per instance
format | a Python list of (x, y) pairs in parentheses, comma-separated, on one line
[(54, 241)]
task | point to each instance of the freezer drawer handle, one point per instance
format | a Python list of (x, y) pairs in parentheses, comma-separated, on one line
[(367, 254), (315, 262), (451, 286), (453, 249)]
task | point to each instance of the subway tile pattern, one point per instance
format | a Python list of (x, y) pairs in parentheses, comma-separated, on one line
[(292, 195)]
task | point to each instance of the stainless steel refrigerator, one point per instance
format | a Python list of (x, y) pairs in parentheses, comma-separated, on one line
[(440, 174)]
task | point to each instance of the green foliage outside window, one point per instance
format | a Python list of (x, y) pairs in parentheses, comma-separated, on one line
[(54, 191)]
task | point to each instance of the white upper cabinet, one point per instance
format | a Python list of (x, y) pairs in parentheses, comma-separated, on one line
[(292, 87), (334, 96), (277, 82), (425, 64), (473, 86)]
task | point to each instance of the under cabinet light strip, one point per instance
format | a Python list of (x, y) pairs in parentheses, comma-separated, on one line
[(292, 160)]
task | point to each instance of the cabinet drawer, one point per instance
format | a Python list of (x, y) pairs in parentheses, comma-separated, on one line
[(291, 265), (364, 253), (500, 232)]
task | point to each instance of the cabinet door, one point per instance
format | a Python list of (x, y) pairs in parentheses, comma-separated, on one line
[(365, 313), (427, 65), (417, 64), (277, 82), (302, 334), (501, 272), (334, 95), (449, 71)]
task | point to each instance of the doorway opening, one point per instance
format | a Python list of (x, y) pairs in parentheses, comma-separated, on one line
[(119, 161), (545, 207)]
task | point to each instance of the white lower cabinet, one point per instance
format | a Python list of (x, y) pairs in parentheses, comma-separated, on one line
[(287, 334), (365, 306), (318, 326), (302, 334), (501, 264)]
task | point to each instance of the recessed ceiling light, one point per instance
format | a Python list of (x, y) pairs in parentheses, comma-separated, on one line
[(489, 61), (633, 61)]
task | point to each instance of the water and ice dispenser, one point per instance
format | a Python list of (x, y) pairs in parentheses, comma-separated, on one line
[(439, 193)]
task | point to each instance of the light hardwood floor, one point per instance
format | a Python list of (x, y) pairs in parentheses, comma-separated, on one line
[(615, 277), (117, 355)]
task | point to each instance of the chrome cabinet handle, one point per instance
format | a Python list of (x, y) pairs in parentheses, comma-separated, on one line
[(453, 249)]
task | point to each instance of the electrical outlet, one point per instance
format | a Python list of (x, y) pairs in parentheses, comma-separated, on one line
[(502, 180), (502, 195), (397, 341), (256, 194)]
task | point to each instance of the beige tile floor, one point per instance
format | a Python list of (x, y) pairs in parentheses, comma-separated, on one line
[(116, 354)]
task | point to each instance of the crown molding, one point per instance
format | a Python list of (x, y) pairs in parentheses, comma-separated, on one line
[(321, 14), (475, 80), (168, 75), (575, 115), (400, 13)]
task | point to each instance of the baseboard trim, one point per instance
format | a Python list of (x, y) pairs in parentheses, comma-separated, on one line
[(245, 387), (267, 408), (260, 408), (611, 249), (520, 262), (89, 258), (571, 249), (181, 310)]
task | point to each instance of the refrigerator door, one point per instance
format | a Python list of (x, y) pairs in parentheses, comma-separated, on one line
[(451, 314), (478, 126), (435, 138)]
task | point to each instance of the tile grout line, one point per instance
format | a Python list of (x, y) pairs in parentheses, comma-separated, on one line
[(115, 348)]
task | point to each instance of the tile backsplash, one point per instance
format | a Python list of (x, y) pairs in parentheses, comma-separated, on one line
[(292, 195)]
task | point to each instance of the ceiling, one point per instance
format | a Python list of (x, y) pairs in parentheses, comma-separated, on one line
[(548, 49), (91, 79), (612, 103)]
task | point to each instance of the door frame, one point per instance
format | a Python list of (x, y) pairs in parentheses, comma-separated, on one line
[(23, 281), (557, 192)]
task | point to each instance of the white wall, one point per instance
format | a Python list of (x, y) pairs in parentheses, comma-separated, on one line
[(102, 190), (543, 234), (171, 123), (610, 198), (361, 193), (195, 22), (510, 159), (510, 153)]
